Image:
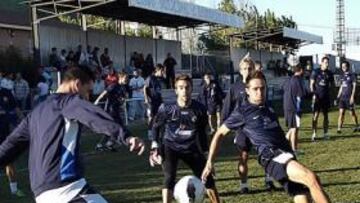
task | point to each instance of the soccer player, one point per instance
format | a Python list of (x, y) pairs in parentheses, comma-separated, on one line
[(52, 132), (116, 94), (212, 96), (320, 82), (294, 92), (235, 96), (346, 95), (184, 138), (7, 105), (260, 124), (152, 93)]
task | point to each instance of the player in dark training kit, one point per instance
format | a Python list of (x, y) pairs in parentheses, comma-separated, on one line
[(260, 124), (294, 92), (346, 96), (152, 94), (320, 82), (184, 138), (52, 133), (235, 96)]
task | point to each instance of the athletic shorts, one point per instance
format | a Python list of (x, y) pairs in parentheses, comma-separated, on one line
[(274, 162), (152, 109), (242, 142), (213, 109), (195, 160), (321, 104), (88, 195), (345, 104), (292, 120), (4, 129)]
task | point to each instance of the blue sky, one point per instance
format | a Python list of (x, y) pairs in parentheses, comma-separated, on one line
[(314, 16)]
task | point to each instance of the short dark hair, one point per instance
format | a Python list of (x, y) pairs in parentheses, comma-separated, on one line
[(159, 66), (53, 49), (185, 78), (324, 58), (297, 68), (84, 75), (255, 75), (347, 63)]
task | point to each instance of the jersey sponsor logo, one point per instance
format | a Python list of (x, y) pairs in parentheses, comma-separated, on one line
[(256, 117)]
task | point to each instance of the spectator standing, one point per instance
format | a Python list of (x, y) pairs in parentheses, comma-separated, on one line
[(22, 90), (137, 106), (170, 64)]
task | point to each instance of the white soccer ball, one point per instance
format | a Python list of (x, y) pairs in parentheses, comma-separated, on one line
[(189, 189)]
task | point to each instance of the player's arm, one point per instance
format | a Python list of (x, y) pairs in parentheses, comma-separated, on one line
[(100, 122), (339, 92), (102, 95), (352, 98), (203, 137), (146, 88), (155, 137), (16, 143), (235, 121)]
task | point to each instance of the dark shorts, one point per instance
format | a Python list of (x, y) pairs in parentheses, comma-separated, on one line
[(195, 160), (292, 120), (213, 109), (274, 162), (321, 104), (242, 142), (345, 104), (4, 129)]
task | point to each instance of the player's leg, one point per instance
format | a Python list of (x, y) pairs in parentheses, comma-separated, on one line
[(88, 195), (340, 119), (197, 161), (243, 145), (315, 118), (326, 121), (300, 174), (169, 166), (354, 117)]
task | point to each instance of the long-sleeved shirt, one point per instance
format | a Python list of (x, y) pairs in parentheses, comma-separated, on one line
[(52, 132), (184, 127)]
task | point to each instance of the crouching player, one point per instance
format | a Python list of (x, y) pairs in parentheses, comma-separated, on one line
[(260, 123), (184, 138)]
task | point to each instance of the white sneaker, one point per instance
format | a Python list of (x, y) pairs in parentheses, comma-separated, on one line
[(313, 137)]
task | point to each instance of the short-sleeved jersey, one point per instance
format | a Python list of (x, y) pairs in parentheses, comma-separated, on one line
[(184, 127), (260, 124), (153, 87), (293, 88), (347, 81), (235, 96), (213, 94), (323, 81)]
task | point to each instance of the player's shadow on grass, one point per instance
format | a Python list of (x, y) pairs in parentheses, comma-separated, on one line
[(332, 138), (251, 192), (341, 183)]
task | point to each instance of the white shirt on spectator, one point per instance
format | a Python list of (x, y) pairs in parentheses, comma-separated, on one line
[(8, 84), (99, 87), (137, 84), (44, 88)]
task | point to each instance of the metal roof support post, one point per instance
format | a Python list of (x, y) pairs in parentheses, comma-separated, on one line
[(231, 66), (35, 35)]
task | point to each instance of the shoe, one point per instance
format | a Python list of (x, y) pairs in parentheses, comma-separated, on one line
[(339, 131), (244, 190), (19, 193), (269, 185), (99, 147), (356, 130), (326, 136)]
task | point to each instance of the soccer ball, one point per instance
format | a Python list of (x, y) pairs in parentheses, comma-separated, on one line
[(189, 189)]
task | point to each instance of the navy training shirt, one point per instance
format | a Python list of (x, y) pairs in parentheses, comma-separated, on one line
[(153, 87), (235, 96), (260, 124), (323, 80), (116, 94), (52, 131), (213, 94), (347, 79), (184, 127), (293, 88)]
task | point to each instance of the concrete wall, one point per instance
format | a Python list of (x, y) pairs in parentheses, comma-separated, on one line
[(120, 47), (18, 38)]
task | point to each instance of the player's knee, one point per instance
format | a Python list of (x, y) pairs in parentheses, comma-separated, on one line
[(169, 183), (311, 179), (244, 155)]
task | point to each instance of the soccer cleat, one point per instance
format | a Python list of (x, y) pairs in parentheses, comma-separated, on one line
[(269, 185), (19, 193), (339, 131), (357, 129), (99, 147), (244, 190), (326, 136)]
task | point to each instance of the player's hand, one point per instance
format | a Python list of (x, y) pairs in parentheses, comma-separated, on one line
[(155, 157), (351, 100), (208, 170), (136, 144)]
